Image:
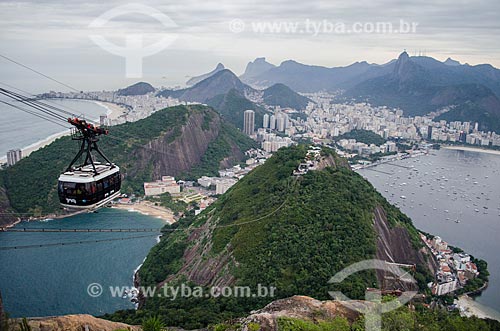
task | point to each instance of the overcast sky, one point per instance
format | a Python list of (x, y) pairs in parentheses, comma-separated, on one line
[(53, 37)]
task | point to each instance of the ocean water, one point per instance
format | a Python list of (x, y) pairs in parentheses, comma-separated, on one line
[(19, 129), (439, 189), (53, 280)]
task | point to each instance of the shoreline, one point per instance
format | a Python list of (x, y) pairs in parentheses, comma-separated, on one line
[(470, 307), (148, 209), (471, 149), (113, 112)]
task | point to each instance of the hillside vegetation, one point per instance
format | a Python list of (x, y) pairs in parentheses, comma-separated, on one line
[(363, 136), (283, 96), (232, 105), (293, 233)]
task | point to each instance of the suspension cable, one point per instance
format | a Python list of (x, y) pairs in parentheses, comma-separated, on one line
[(38, 72), (4, 248)]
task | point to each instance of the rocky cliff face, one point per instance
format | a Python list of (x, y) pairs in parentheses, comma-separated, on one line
[(394, 244), (181, 148)]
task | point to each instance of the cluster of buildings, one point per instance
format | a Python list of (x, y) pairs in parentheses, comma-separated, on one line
[(270, 142), (326, 120), (463, 132), (138, 106), (310, 162), (203, 193), (454, 269), (364, 149), (167, 184), (279, 121)]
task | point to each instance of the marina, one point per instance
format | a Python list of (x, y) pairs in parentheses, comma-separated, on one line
[(452, 194)]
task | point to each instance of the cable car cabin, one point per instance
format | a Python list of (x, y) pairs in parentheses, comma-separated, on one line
[(82, 188)]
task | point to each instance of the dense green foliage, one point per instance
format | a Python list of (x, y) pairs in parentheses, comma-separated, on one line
[(233, 104), (32, 183), (153, 323), (295, 324), (283, 96), (292, 233), (363, 136)]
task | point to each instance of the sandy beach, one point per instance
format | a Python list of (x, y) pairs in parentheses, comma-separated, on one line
[(468, 307), (472, 149), (114, 110), (147, 208)]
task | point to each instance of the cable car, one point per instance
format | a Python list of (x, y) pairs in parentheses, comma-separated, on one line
[(92, 184)]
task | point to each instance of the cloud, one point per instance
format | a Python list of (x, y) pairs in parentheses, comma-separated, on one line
[(468, 31)]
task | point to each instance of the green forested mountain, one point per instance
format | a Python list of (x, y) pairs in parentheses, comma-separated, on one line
[(139, 88), (275, 229), (233, 104), (283, 96), (174, 141), (364, 136)]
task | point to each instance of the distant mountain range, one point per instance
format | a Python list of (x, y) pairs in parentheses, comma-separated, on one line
[(301, 77), (227, 94), (218, 83), (418, 85)]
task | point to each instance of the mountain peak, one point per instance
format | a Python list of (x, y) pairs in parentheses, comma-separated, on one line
[(450, 62), (139, 88), (257, 67), (196, 79), (403, 66), (403, 56)]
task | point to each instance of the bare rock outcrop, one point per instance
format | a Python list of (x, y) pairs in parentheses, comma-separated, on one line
[(72, 323), (304, 308)]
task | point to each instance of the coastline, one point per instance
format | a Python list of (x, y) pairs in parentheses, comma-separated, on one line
[(471, 149), (113, 111), (148, 209), (470, 307)]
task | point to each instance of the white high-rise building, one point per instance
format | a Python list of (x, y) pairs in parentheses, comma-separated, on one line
[(13, 156), (249, 122), (280, 122), (272, 122), (265, 121)]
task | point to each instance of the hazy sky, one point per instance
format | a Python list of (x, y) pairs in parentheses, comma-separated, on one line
[(53, 37)]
